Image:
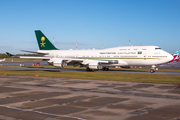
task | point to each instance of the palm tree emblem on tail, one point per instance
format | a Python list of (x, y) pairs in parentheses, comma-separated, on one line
[(43, 43)]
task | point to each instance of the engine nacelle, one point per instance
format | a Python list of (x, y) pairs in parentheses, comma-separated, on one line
[(94, 65), (113, 61), (59, 63)]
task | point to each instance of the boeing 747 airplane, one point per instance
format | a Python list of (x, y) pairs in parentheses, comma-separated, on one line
[(100, 59)]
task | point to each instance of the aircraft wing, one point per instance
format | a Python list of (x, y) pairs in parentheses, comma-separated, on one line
[(92, 63), (35, 52), (83, 61), (34, 57)]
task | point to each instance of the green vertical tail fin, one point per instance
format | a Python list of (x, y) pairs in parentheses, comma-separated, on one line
[(43, 42), (9, 55)]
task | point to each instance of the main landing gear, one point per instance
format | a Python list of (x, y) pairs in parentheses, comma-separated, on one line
[(92, 70), (88, 69), (105, 69), (153, 69)]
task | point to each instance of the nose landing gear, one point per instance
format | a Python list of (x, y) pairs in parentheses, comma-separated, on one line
[(153, 69), (105, 68)]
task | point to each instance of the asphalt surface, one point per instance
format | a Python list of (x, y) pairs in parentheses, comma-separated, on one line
[(40, 98)]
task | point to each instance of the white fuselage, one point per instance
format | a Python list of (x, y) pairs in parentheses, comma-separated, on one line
[(2, 60), (126, 56)]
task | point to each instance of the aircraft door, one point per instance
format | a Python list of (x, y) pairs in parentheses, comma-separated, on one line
[(145, 56)]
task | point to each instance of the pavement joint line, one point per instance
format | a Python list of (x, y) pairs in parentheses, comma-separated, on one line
[(102, 106), (141, 111), (18, 109), (101, 91)]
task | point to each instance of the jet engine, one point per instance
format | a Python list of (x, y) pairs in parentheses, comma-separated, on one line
[(59, 63), (94, 65)]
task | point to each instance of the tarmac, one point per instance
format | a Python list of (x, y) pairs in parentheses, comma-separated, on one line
[(43, 98)]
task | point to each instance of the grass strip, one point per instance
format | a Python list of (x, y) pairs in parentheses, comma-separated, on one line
[(125, 77), (112, 69)]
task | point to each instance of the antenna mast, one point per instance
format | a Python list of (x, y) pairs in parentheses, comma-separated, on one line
[(76, 44), (129, 42), (53, 40)]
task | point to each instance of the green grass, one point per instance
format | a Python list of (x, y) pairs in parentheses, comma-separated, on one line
[(126, 77), (112, 69), (145, 69)]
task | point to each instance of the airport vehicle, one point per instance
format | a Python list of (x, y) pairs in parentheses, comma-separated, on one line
[(3, 60), (35, 64), (100, 59), (175, 57)]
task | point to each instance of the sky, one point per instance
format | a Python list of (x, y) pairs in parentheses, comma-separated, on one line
[(104, 23)]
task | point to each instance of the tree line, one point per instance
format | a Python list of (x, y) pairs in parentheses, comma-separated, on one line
[(2, 55)]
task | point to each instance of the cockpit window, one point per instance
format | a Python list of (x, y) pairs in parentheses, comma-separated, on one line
[(157, 48)]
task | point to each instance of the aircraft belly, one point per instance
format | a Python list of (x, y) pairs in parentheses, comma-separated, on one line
[(151, 62), (144, 62)]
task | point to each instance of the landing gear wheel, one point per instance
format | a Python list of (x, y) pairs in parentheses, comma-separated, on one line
[(92, 70), (152, 70), (105, 69), (87, 69)]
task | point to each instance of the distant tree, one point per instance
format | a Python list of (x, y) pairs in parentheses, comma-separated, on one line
[(3, 55)]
